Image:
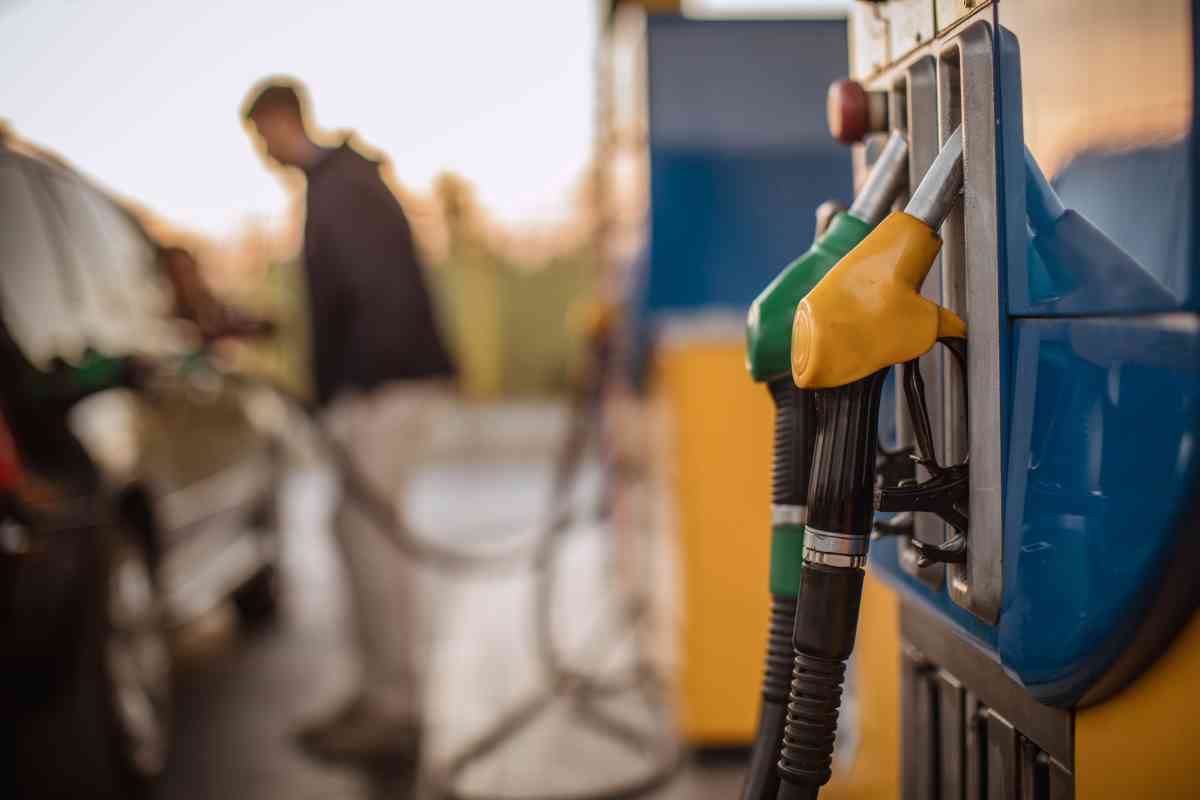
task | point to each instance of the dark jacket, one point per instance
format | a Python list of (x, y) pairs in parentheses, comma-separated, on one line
[(371, 314)]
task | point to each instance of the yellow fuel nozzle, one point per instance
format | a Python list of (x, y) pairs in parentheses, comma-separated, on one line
[(868, 312)]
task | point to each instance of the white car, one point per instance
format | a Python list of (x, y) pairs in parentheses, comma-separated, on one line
[(136, 504)]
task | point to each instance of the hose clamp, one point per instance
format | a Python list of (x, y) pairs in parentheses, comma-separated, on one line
[(835, 549), (834, 559), (788, 515), (849, 544)]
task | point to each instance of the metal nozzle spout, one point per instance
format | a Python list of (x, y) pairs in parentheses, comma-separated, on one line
[(887, 179), (941, 186)]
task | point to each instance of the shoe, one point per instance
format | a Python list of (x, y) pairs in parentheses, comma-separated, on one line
[(358, 732)]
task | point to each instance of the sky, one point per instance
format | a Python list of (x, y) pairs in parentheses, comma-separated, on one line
[(144, 96)]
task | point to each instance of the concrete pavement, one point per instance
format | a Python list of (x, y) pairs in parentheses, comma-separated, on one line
[(240, 692)]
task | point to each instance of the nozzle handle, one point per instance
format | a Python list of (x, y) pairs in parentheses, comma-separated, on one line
[(792, 457), (842, 483), (939, 190)]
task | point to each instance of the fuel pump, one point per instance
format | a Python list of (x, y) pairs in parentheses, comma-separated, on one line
[(864, 317), (768, 345)]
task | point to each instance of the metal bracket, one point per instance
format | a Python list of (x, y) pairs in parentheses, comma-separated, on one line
[(970, 287), (946, 84), (944, 494), (914, 104)]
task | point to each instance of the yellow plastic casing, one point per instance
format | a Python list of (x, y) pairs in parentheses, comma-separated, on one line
[(718, 484), (868, 313), (1143, 741)]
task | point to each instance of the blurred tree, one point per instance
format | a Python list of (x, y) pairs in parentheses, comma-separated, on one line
[(506, 297), (470, 290)]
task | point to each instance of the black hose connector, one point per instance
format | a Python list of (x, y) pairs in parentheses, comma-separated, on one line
[(841, 494), (826, 620), (777, 674), (840, 502), (794, 429)]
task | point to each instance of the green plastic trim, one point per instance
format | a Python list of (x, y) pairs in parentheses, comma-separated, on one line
[(97, 372), (787, 556), (769, 323)]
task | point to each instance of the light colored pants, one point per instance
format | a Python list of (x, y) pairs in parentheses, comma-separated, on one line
[(389, 433)]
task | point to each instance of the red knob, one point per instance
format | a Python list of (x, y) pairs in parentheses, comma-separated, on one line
[(853, 112)]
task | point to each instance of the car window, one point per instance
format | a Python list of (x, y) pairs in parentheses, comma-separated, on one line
[(120, 292), (33, 298)]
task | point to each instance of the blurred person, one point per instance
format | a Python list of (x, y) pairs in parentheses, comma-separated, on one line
[(382, 373)]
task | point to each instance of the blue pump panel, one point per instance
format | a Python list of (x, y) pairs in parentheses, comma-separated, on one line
[(1104, 99), (1099, 296), (1106, 419), (740, 154)]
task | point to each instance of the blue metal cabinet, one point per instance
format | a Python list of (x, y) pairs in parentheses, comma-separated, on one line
[(1100, 341), (740, 156)]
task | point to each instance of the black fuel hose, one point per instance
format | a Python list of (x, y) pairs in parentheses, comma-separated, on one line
[(840, 512), (791, 463)]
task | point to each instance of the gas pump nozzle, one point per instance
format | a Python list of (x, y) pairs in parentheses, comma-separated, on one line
[(768, 340), (868, 313), (865, 316)]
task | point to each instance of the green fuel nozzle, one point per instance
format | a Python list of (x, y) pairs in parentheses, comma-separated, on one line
[(768, 357), (768, 352)]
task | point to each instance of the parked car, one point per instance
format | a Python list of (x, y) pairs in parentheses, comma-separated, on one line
[(132, 498)]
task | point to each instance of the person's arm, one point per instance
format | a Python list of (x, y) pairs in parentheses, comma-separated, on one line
[(196, 303), (231, 323)]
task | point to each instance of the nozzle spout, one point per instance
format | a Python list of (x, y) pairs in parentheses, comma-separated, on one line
[(888, 178), (940, 188)]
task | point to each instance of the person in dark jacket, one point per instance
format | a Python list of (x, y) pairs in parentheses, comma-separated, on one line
[(382, 373)]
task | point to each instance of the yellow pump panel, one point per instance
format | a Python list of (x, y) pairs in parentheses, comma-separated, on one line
[(721, 484), (1142, 742)]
